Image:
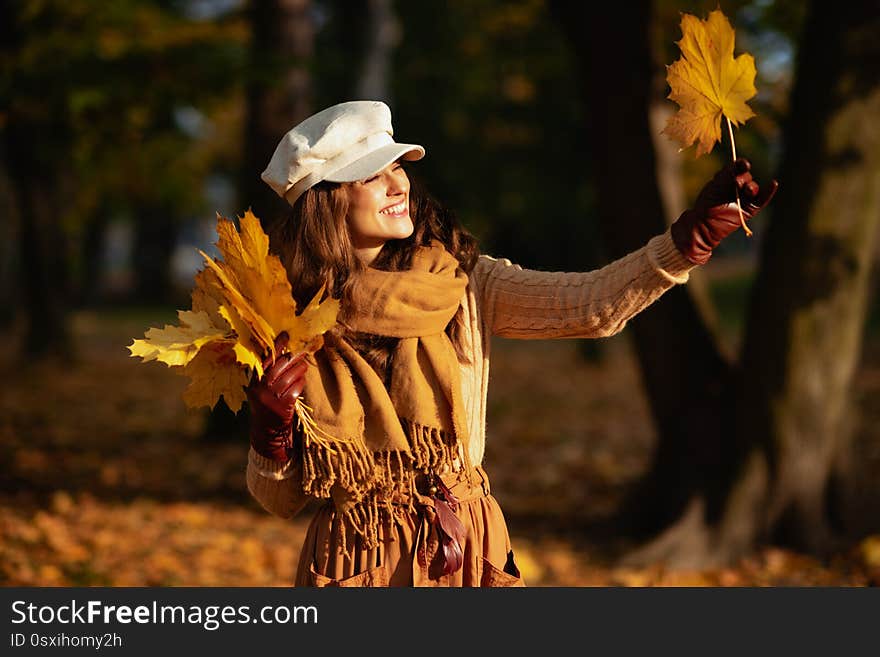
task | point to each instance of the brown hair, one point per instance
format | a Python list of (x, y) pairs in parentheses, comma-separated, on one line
[(315, 248)]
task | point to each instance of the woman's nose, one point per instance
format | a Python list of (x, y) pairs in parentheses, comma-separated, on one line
[(397, 183)]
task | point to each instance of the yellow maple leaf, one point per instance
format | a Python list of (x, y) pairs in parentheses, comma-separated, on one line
[(707, 82), (204, 298), (259, 277), (240, 305), (306, 330), (256, 297), (243, 349), (215, 372), (239, 310), (178, 345)]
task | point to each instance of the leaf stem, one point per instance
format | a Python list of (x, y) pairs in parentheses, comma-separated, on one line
[(742, 219)]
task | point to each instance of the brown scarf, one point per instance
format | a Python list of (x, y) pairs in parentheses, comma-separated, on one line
[(367, 441)]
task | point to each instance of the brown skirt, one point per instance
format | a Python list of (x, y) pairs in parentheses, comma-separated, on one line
[(407, 552)]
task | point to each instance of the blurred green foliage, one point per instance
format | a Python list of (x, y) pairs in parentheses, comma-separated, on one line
[(117, 76)]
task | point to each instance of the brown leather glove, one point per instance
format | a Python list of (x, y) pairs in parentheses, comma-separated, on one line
[(272, 400), (714, 215)]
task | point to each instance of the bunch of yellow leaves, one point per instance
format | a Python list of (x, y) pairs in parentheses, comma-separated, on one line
[(239, 307), (708, 83)]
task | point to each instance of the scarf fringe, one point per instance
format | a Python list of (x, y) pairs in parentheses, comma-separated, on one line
[(369, 481), (348, 465), (432, 449), (435, 450)]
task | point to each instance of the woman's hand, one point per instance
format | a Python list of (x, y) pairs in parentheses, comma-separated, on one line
[(273, 400), (715, 215)]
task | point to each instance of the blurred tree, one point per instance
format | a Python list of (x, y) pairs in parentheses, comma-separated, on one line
[(278, 93), (674, 346), (92, 128), (341, 39), (486, 87), (9, 295), (383, 35), (807, 313), (356, 40), (36, 134), (727, 476)]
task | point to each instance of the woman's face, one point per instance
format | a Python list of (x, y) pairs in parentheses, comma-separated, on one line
[(378, 211)]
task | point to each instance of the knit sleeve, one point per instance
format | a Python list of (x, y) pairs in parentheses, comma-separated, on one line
[(276, 486), (522, 303)]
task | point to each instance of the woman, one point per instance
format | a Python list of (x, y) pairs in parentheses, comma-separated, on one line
[(398, 393)]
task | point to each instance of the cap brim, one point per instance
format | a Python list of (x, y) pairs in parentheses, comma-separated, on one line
[(373, 163)]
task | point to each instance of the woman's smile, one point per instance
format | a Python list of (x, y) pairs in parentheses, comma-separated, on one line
[(398, 210)]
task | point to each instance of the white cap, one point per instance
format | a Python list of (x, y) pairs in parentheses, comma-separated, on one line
[(343, 143)]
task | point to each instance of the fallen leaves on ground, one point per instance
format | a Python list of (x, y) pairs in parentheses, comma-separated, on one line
[(126, 490), (79, 540), (82, 541)]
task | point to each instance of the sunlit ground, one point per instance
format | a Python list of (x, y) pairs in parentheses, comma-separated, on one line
[(106, 478)]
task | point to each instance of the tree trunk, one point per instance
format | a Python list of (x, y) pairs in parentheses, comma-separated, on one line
[(42, 248), (808, 307), (155, 237), (278, 94), (684, 373), (779, 426), (34, 145), (383, 34), (9, 266), (92, 246)]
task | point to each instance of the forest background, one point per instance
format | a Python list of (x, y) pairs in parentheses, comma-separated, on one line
[(729, 436)]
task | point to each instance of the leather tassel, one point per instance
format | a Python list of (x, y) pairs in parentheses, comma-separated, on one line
[(450, 529)]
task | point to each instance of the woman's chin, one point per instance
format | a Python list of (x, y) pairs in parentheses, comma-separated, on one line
[(399, 229)]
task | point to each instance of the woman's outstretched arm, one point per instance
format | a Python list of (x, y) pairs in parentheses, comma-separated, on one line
[(529, 304), (519, 303)]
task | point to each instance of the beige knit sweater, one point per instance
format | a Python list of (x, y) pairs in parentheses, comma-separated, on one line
[(505, 300)]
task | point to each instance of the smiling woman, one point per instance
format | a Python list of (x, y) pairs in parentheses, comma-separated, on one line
[(399, 389)]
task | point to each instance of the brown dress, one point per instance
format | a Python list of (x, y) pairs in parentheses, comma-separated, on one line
[(407, 553)]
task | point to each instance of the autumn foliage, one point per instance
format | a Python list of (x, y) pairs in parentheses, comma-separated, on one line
[(239, 307), (707, 82)]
